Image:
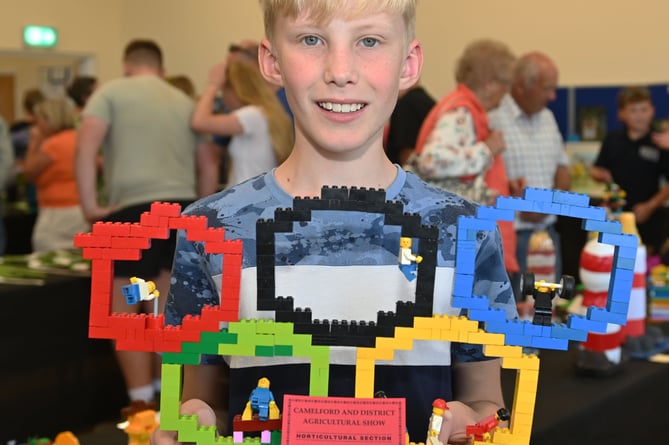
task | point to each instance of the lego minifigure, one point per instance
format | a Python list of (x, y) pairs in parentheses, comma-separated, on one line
[(439, 411), (408, 260), (141, 422), (481, 430), (261, 401), (139, 290), (543, 293)]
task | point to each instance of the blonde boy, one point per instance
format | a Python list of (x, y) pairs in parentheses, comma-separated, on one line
[(343, 63)]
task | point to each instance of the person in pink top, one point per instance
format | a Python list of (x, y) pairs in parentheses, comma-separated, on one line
[(456, 150), (49, 163)]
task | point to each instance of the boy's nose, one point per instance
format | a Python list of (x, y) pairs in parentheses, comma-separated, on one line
[(340, 68)]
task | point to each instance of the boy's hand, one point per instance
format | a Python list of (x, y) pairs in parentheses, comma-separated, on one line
[(601, 174), (661, 139), (217, 74), (456, 419), (643, 211), (495, 142), (205, 416)]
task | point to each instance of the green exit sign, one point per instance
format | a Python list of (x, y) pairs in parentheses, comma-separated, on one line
[(40, 36)]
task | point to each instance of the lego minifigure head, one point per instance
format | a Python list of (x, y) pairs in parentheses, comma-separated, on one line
[(405, 242), (151, 286), (263, 383), (439, 406)]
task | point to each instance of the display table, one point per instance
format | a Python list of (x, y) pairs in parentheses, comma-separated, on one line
[(628, 408), (53, 377)]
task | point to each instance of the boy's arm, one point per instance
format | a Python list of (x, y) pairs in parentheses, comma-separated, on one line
[(644, 210), (478, 393), (600, 174)]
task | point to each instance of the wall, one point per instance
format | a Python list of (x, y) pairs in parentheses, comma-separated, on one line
[(593, 41), (85, 29)]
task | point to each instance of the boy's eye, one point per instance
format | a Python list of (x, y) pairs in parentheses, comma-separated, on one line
[(311, 40), (369, 42)]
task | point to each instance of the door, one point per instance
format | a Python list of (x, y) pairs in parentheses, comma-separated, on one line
[(7, 97)]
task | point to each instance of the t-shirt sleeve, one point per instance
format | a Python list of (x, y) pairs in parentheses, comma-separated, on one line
[(491, 280), (251, 119), (99, 105)]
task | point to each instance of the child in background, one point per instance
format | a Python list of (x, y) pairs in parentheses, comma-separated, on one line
[(631, 159), (343, 64)]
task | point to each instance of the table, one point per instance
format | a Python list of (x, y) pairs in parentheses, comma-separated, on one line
[(53, 377), (19, 230), (630, 407)]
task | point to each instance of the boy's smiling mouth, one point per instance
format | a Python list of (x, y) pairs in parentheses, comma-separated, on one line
[(341, 108)]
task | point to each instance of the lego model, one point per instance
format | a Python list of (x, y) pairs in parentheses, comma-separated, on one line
[(261, 401), (614, 198), (408, 261), (481, 431), (543, 293), (294, 333)]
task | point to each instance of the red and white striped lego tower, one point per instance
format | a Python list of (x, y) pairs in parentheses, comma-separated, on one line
[(636, 315), (595, 272)]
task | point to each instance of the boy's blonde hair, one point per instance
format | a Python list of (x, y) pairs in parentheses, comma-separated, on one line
[(244, 78), (324, 10), (59, 113)]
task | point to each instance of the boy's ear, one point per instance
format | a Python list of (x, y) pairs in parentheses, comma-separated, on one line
[(413, 65), (269, 64)]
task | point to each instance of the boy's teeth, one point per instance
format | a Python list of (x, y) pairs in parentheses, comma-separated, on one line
[(340, 108)]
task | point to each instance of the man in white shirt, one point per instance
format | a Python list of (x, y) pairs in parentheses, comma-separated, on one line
[(535, 154)]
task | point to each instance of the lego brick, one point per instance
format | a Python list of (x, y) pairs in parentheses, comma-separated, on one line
[(593, 225), (492, 213), (574, 199)]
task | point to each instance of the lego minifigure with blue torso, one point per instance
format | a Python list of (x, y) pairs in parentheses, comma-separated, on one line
[(261, 401)]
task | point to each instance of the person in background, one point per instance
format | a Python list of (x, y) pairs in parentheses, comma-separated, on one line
[(6, 166), (412, 107), (630, 158), (49, 163), (260, 130), (343, 63), (183, 83), (456, 150), (81, 88), (535, 155), (142, 123), (18, 190)]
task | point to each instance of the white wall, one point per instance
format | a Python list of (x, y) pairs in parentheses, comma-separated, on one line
[(593, 41)]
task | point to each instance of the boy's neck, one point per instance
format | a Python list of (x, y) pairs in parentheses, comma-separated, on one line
[(636, 134), (306, 174)]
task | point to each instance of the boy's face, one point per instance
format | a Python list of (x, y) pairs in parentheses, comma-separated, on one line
[(637, 116), (342, 77)]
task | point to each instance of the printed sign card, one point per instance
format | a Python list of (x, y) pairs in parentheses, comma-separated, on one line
[(312, 420)]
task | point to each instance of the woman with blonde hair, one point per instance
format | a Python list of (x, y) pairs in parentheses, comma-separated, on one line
[(49, 163), (260, 129)]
